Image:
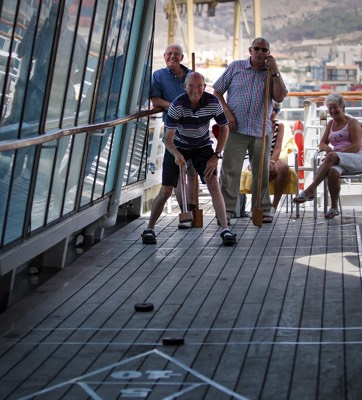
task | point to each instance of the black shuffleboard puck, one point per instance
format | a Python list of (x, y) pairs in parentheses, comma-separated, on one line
[(173, 341), (144, 307)]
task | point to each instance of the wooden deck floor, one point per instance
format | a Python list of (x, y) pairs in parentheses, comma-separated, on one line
[(279, 316)]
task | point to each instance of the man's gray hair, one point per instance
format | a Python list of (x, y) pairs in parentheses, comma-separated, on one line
[(175, 45), (193, 74), (260, 39)]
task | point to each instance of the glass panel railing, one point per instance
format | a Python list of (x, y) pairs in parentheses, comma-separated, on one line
[(42, 200), (62, 75), (60, 169), (96, 165), (59, 174)]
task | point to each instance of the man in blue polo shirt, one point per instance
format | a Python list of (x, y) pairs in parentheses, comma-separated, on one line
[(187, 137), (167, 84)]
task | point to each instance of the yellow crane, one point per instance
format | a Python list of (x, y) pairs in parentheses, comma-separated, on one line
[(173, 9)]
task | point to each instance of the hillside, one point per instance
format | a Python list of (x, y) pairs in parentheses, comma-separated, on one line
[(314, 20), (286, 24)]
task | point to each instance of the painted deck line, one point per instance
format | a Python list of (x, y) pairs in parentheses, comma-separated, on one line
[(359, 244), (233, 329)]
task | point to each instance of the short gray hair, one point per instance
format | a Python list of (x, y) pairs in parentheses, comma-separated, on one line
[(260, 39), (335, 98), (193, 74), (179, 47)]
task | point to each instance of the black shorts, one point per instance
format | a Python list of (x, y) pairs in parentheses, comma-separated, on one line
[(199, 158)]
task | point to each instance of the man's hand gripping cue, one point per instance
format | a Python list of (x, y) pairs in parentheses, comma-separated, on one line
[(179, 159)]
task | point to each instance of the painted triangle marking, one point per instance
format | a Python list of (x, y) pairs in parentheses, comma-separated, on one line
[(137, 381)]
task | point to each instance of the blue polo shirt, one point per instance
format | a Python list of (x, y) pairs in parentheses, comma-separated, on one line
[(192, 126), (167, 86)]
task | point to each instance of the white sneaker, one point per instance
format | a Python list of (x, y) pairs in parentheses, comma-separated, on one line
[(272, 211)]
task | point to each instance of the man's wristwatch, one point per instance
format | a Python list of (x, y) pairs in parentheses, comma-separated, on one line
[(218, 154)]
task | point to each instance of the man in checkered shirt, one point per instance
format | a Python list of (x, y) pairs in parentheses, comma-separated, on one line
[(245, 83)]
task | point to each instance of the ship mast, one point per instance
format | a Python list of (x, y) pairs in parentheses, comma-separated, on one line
[(257, 19)]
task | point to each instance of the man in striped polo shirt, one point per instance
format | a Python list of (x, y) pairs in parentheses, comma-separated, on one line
[(187, 137)]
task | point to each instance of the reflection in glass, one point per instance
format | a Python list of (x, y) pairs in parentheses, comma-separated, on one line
[(9, 60), (136, 164), (110, 89), (86, 91), (43, 182), (62, 157), (72, 170), (96, 165), (69, 65)]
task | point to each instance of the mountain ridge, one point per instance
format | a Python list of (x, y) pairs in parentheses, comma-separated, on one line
[(290, 28)]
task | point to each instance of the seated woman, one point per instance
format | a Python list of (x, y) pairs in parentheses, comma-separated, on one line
[(344, 133), (281, 179), (278, 169)]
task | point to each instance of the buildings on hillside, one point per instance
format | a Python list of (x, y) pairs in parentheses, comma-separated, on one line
[(327, 67)]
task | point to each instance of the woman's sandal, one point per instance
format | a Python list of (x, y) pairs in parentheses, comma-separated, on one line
[(302, 198), (267, 219), (332, 212)]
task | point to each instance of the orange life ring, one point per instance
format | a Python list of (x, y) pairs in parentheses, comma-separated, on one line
[(298, 129)]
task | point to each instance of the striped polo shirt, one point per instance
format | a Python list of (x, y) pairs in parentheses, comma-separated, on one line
[(192, 126), (245, 87)]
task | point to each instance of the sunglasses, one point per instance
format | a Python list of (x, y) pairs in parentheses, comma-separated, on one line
[(263, 49), (276, 110)]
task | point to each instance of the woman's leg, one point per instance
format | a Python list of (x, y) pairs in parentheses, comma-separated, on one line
[(323, 170), (334, 186), (282, 175)]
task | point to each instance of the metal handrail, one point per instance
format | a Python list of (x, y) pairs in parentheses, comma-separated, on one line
[(323, 93), (309, 100), (48, 137), (13, 144)]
